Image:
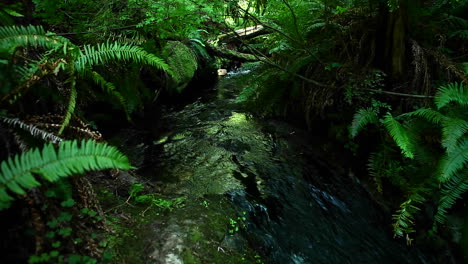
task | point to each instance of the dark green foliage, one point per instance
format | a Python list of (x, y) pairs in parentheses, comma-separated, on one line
[(8, 12), (110, 89), (266, 93), (64, 57), (18, 172), (14, 36), (454, 161), (448, 168), (451, 192)]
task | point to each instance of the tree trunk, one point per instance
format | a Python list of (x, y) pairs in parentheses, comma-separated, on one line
[(395, 41)]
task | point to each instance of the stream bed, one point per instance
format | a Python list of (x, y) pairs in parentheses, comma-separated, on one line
[(258, 191)]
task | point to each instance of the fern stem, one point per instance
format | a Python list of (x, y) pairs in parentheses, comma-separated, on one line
[(71, 106)]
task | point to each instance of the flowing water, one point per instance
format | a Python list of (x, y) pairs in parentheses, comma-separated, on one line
[(288, 203)]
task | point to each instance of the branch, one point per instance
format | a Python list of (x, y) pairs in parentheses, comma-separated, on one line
[(401, 94)]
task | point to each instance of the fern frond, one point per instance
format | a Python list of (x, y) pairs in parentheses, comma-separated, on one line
[(452, 191), (430, 115), (463, 34), (452, 92), (452, 130), (454, 161), (17, 173), (361, 119), (112, 52), (199, 49), (399, 134), (14, 36), (33, 130), (456, 22), (109, 88), (404, 219), (247, 93), (71, 106)]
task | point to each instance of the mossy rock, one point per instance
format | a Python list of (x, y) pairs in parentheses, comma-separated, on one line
[(182, 62)]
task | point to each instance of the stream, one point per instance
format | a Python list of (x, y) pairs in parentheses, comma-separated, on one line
[(260, 191)]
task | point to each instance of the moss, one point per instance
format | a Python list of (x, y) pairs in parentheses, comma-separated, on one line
[(182, 62)]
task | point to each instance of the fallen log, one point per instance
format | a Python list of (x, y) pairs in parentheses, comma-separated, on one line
[(232, 54), (244, 33)]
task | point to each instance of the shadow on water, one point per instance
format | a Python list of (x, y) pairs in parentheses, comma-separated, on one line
[(299, 208)]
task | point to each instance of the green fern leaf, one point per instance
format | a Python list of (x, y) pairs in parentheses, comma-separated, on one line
[(430, 115), (453, 92), (452, 191), (454, 161), (453, 129), (399, 134), (110, 88), (112, 52), (404, 217), (14, 36), (71, 106), (18, 172), (361, 119)]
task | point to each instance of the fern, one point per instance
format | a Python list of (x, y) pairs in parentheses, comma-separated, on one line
[(199, 49), (17, 174), (110, 88), (33, 130), (71, 106), (453, 130), (453, 92), (399, 135), (452, 191), (404, 217), (430, 115), (458, 27), (361, 119), (454, 161), (14, 36), (111, 52)]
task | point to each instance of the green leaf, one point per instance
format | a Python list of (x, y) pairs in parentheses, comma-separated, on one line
[(18, 173), (399, 135), (15, 36), (454, 161), (71, 105), (452, 92), (113, 52), (361, 119)]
